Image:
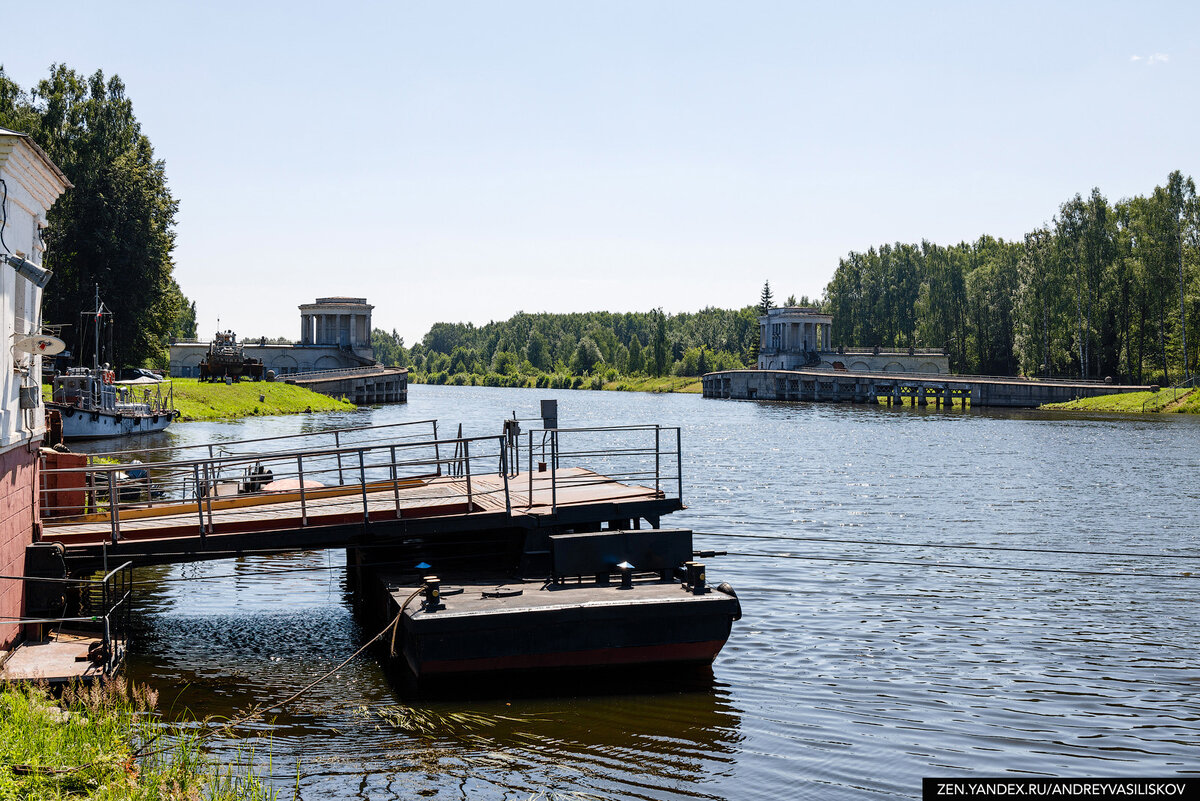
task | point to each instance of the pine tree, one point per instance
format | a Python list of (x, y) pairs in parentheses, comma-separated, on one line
[(767, 300)]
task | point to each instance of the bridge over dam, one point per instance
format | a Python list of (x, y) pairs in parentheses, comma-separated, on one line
[(364, 386), (919, 389)]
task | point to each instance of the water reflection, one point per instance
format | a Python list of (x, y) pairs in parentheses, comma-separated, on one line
[(845, 679)]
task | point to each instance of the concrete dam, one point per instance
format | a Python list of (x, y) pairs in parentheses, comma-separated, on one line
[(919, 389)]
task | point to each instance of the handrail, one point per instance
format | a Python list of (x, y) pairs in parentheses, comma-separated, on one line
[(362, 475), (327, 373), (210, 446), (1175, 388), (661, 455), (116, 594), (950, 377)]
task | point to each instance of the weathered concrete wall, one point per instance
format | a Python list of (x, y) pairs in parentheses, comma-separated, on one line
[(861, 361), (363, 387), (867, 387), (18, 477)]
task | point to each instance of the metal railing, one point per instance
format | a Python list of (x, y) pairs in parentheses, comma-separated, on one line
[(653, 458), (341, 372), (1189, 384), (358, 479), (338, 436), (105, 607), (366, 481)]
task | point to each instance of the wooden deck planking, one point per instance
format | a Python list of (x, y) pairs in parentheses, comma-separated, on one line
[(445, 496)]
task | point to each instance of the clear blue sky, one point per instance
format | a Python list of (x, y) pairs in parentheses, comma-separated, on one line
[(463, 161)]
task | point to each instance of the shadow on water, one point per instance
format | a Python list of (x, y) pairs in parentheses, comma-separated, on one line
[(615, 681)]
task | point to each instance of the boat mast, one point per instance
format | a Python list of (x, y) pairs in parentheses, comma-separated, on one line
[(97, 313)]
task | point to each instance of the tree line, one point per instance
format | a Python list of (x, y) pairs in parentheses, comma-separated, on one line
[(115, 227), (1104, 289), (591, 344)]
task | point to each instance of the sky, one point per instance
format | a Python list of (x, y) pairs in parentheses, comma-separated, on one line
[(461, 161)]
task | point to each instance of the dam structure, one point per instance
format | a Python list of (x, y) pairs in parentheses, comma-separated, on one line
[(797, 362), (917, 389)]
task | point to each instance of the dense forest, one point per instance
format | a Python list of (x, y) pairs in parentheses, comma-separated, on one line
[(554, 349), (1102, 290), (115, 227)]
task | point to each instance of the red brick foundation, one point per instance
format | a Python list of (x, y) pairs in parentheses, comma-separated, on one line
[(18, 478)]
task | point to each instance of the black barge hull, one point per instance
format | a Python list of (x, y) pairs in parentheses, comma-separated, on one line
[(554, 626)]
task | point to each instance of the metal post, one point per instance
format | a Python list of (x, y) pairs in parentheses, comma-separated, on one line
[(467, 467), (437, 452), (679, 460), (337, 441), (199, 501), (657, 458), (303, 505), (504, 469), (210, 487), (108, 646), (529, 500), (113, 517), (395, 482), (362, 476), (554, 472)]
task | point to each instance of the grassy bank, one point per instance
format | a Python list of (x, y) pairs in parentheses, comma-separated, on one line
[(615, 383), (107, 742), (1163, 401), (205, 401), (662, 384)]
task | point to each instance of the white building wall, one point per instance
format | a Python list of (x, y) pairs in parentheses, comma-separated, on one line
[(32, 188)]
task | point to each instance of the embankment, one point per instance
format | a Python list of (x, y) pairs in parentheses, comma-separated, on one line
[(1164, 401), (218, 401)]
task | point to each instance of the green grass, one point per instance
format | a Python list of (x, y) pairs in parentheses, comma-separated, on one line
[(207, 401), (107, 742), (662, 384), (1163, 401), (218, 401)]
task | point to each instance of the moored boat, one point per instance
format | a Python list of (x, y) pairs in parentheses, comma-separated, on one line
[(93, 404)]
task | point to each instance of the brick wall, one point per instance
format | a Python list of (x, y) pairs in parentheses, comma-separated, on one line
[(18, 474)]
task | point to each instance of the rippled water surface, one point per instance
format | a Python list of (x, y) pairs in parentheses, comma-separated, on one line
[(871, 653)]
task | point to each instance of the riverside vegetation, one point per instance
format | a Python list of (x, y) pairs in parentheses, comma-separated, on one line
[(1104, 289), (197, 401), (108, 741), (1181, 401)]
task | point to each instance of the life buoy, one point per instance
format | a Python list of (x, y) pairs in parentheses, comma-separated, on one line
[(109, 376)]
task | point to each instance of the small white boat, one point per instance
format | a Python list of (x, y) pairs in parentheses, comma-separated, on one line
[(92, 405)]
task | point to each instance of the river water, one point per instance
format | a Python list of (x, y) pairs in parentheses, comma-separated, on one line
[(872, 652)]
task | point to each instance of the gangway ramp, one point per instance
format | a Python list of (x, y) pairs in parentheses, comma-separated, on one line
[(282, 494)]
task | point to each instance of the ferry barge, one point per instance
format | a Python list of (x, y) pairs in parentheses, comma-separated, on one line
[(595, 609), (481, 556)]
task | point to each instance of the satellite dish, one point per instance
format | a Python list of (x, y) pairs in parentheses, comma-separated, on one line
[(40, 344)]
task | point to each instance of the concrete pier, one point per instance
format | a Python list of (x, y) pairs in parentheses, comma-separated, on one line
[(918, 388), (362, 385)]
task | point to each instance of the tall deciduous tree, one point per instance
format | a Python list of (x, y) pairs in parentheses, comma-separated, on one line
[(115, 227)]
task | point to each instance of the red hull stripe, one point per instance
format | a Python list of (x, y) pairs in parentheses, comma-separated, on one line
[(600, 657)]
